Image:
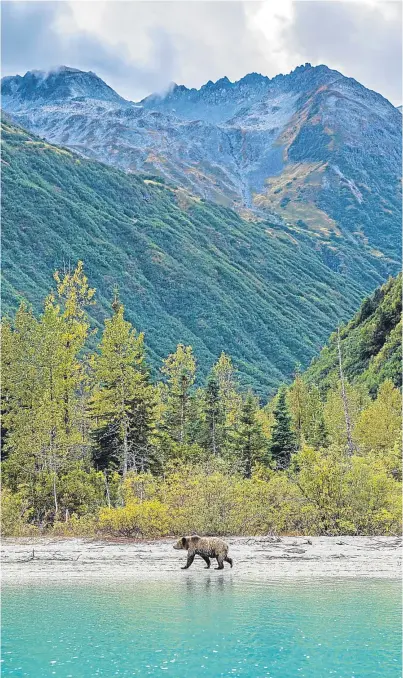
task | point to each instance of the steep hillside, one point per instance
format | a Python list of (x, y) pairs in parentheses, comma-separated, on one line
[(371, 343), (315, 152), (188, 270)]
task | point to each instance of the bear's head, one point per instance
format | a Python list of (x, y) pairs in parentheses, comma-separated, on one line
[(182, 543)]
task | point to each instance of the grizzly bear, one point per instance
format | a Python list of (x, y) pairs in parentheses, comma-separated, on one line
[(206, 547)]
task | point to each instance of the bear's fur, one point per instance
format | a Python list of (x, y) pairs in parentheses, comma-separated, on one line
[(206, 547)]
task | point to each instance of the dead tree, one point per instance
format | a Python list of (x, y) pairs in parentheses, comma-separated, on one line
[(350, 444)]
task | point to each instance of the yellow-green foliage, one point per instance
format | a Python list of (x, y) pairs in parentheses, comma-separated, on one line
[(136, 519), (142, 513), (379, 426), (76, 526), (324, 493), (347, 495), (15, 512), (92, 446)]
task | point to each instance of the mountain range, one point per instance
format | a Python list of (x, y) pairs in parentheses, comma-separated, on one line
[(249, 217), (313, 150)]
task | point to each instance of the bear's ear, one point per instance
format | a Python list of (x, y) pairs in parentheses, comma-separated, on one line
[(184, 543)]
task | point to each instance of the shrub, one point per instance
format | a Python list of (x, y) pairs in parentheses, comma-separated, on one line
[(137, 519), (347, 495), (15, 513), (76, 526)]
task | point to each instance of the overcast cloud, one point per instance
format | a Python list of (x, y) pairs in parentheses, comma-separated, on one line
[(140, 47)]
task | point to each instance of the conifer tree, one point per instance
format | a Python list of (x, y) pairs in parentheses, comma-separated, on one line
[(298, 397), (283, 440), (214, 415), (142, 429), (180, 369), (45, 372), (306, 409), (19, 358), (314, 427), (231, 401), (251, 444), (106, 444), (122, 401)]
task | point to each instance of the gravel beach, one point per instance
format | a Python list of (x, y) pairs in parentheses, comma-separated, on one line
[(45, 560)]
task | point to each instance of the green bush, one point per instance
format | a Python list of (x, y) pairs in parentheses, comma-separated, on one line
[(15, 513), (137, 519)]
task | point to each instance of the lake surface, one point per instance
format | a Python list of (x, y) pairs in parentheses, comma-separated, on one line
[(204, 625)]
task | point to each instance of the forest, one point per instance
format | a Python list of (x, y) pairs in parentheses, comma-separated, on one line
[(92, 444), (188, 270)]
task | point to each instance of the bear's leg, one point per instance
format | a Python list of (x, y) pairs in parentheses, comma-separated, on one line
[(206, 560), (220, 561), (189, 562), (228, 560)]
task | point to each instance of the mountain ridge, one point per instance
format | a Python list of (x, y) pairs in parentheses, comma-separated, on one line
[(188, 270), (305, 149), (308, 174), (313, 151), (370, 344)]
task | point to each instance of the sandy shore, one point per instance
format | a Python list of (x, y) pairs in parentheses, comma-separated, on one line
[(26, 561)]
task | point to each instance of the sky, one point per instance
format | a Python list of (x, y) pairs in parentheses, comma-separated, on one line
[(139, 47)]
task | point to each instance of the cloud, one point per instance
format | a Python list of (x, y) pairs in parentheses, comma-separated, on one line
[(362, 40), (200, 40), (28, 35), (44, 35), (140, 47)]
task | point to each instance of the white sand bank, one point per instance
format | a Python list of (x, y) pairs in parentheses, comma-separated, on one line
[(26, 561)]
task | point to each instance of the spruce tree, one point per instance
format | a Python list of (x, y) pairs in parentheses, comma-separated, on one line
[(213, 415), (142, 428), (180, 369), (106, 446), (250, 443), (122, 406), (283, 440)]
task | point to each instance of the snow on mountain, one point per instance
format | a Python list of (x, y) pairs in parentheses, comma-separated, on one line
[(316, 148), (37, 88)]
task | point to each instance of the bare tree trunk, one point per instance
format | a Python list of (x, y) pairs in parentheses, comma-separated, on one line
[(347, 419), (55, 493), (125, 450), (107, 489), (181, 436), (125, 433)]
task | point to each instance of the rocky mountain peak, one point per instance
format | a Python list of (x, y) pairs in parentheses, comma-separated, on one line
[(300, 146), (60, 84)]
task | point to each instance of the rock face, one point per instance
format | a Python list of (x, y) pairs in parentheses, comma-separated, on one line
[(315, 148)]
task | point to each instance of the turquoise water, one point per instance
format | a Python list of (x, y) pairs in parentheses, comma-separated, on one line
[(204, 626)]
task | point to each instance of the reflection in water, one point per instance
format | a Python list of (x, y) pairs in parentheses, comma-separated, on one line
[(204, 625), (211, 583)]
